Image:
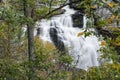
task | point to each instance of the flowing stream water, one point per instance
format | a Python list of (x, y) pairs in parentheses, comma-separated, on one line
[(83, 50)]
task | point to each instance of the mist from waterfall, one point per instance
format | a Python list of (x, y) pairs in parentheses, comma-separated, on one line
[(83, 50)]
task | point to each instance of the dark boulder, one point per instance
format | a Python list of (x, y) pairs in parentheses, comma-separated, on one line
[(78, 19), (39, 30), (56, 40)]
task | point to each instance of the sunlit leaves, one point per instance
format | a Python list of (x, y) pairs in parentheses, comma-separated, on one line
[(86, 33), (108, 53), (117, 44), (80, 34), (112, 4), (94, 7), (117, 41), (113, 18), (103, 43)]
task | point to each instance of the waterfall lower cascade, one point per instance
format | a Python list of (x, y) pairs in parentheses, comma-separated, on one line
[(59, 30)]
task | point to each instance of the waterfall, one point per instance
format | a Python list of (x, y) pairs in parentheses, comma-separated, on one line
[(59, 30)]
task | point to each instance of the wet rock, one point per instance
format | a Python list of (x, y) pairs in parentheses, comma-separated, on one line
[(56, 40), (78, 19), (39, 30)]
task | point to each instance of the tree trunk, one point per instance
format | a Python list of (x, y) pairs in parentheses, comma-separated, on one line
[(30, 33), (31, 50)]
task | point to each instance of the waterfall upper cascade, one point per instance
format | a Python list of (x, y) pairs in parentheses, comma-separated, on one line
[(83, 50)]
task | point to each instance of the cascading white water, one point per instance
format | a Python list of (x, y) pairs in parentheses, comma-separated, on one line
[(83, 50)]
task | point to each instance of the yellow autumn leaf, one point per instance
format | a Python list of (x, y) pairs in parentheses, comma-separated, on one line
[(116, 17), (103, 43), (111, 28), (111, 18), (117, 44), (115, 66), (79, 34), (117, 41), (111, 4)]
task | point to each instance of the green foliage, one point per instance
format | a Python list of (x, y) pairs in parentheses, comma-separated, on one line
[(109, 54), (89, 33), (48, 63), (67, 59), (11, 70), (104, 72), (86, 33), (102, 23)]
